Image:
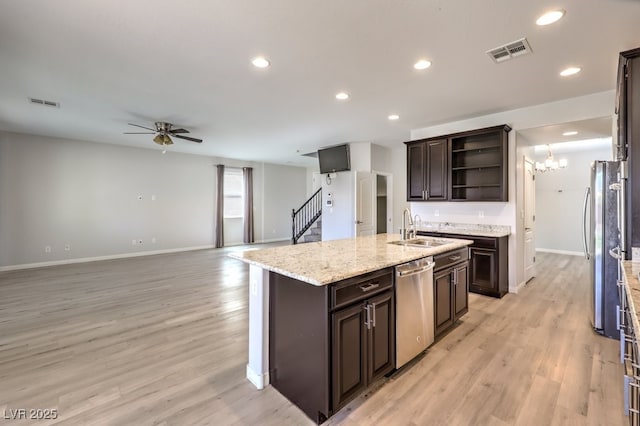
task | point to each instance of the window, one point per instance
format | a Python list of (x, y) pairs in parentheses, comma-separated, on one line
[(233, 193)]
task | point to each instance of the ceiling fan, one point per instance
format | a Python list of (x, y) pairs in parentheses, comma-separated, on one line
[(163, 131)]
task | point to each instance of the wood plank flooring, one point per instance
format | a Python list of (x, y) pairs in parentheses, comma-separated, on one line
[(163, 340)]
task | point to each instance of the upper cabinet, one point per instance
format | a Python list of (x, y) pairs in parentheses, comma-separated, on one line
[(468, 166), (427, 172)]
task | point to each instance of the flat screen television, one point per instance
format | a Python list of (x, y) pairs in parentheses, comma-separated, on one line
[(334, 159)]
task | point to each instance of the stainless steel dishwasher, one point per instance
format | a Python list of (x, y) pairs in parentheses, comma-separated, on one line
[(414, 309)]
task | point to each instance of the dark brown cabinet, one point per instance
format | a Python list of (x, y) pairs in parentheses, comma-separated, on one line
[(479, 161), (488, 271), (451, 289), (363, 346), (328, 343), (483, 269), (467, 166), (427, 172), (349, 352), (461, 290)]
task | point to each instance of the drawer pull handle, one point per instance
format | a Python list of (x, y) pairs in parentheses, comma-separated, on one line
[(454, 258), (369, 287)]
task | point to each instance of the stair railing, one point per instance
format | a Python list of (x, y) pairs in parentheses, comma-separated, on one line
[(306, 215)]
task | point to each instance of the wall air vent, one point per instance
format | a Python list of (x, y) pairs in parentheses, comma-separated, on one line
[(44, 102), (510, 50)]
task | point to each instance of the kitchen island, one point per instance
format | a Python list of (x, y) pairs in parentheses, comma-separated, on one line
[(308, 273)]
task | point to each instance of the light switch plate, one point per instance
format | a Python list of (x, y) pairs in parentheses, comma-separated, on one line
[(635, 254)]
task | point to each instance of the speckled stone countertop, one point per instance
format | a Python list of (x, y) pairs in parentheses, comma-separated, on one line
[(471, 229), (632, 287), (324, 262)]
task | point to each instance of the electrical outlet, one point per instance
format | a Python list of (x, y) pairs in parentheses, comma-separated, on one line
[(134, 242), (153, 240), (153, 198), (635, 254), (67, 247), (436, 213), (47, 249), (480, 213)]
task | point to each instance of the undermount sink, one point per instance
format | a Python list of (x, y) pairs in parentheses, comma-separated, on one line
[(419, 242)]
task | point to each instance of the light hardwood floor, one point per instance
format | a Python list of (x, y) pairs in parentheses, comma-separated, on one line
[(163, 340)]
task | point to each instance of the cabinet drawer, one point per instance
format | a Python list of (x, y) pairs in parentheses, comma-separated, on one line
[(450, 258), (358, 288), (480, 242)]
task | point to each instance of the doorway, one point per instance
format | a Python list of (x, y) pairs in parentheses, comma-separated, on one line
[(529, 219), (374, 203), (381, 204)]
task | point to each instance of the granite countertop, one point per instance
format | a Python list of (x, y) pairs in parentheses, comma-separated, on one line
[(471, 229), (631, 270), (324, 262)]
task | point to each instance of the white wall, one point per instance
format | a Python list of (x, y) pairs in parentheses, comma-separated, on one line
[(338, 220), (55, 192), (559, 199), (574, 109), (284, 189)]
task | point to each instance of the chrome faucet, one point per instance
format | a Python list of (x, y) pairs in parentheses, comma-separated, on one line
[(405, 233)]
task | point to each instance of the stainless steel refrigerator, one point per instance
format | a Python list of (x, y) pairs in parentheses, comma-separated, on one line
[(601, 232)]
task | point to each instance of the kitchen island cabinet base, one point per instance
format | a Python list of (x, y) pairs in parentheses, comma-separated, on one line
[(298, 344)]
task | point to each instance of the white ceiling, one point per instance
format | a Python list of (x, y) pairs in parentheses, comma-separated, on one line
[(597, 128), (110, 62)]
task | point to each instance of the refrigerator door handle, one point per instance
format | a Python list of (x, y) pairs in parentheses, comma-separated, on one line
[(584, 223)]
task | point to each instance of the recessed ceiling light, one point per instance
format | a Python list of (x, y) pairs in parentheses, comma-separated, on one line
[(422, 64), (570, 71), (550, 17), (393, 117), (571, 133), (342, 96), (260, 62)]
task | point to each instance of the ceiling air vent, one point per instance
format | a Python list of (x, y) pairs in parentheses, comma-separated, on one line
[(44, 102), (510, 50)]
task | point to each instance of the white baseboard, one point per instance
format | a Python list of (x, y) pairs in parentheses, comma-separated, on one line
[(519, 287), (258, 380), (570, 253), (97, 258), (272, 240)]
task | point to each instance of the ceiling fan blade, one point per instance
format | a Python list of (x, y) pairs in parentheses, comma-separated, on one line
[(188, 138), (137, 125), (178, 131), (138, 133)]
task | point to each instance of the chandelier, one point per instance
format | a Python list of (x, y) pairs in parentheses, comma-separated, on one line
[(550, 164)]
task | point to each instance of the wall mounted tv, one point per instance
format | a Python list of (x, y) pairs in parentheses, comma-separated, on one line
[(334, 159)]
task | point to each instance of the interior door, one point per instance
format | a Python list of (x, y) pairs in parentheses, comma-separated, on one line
[(365, 203), (529, 219)]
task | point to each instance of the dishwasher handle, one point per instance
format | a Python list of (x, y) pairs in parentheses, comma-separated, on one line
[(415, 271)]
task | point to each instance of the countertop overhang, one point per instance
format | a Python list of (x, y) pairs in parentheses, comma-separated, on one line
[(325, 262)]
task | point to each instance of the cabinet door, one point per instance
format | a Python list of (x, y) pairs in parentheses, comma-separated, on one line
[(442, 299), (348, 353), (382, 348), (461, 290), (416, 170), (437, 172), (483, 269)]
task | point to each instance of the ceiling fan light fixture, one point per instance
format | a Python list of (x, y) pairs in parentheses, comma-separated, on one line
[(159, 139)]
